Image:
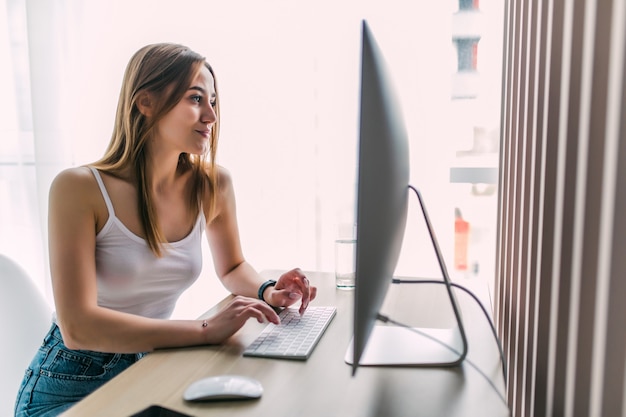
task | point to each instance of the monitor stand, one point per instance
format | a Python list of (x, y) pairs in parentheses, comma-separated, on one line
[(390, 345), (396, 345)]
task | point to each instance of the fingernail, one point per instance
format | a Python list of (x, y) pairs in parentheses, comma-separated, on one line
[(294, 295)]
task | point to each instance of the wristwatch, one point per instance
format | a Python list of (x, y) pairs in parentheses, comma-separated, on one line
[(263, 287)]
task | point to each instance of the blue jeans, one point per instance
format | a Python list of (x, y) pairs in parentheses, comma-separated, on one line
[(59, 377)]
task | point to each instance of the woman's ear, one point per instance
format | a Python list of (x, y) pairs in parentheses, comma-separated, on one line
[(144, 103)]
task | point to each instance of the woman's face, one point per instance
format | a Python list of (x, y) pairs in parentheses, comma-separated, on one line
[(187, 127)]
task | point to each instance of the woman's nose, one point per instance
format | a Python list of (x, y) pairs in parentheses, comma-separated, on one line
[(209, 116)]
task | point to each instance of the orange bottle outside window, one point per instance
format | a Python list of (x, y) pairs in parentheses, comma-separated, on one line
[(461, 241)]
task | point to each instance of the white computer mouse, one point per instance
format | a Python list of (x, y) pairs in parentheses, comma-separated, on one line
[(223, 387)]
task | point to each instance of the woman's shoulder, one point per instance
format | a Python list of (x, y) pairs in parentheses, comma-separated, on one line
[(220, 178), (75, 182), (219, 195), (76, 176), (224, 177)]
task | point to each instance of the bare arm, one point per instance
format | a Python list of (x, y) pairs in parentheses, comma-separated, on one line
[(237, 275)]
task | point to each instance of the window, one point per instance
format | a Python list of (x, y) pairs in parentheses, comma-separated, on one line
[(307, 142), (467, 54), (468, 4)]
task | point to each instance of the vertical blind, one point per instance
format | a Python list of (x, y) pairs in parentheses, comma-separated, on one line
[(561, 259)]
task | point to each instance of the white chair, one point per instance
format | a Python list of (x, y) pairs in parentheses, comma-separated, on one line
[(25, 318)]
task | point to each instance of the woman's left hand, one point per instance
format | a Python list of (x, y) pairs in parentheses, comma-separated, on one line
[(291, 287)]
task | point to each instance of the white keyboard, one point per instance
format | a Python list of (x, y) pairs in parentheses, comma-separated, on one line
[(295, 337)]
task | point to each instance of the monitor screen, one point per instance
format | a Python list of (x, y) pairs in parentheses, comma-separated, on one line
[(381, 217), (382, 190)]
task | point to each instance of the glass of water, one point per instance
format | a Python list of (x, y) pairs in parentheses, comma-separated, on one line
[(345, 251)]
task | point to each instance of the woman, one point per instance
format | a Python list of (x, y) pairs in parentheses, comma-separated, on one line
[(125, 237)]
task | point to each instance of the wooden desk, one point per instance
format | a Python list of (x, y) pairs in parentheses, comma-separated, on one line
[(323, 385)]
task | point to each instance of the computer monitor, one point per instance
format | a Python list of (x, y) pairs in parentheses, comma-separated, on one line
[(381, 216)]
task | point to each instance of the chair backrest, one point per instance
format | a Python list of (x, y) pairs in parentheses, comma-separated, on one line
[(24, 320)]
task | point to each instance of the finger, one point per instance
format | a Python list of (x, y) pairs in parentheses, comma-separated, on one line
[(286, 297), (306, 293), (269, 313), (313, 294), (252, 308), (262, 314), (294, 281)]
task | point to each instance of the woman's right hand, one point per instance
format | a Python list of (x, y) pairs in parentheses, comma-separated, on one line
[(234, 315)]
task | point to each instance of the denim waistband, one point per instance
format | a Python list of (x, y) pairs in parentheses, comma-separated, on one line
[(55, 333)]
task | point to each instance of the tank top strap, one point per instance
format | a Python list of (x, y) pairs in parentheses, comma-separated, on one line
[(103, 190)]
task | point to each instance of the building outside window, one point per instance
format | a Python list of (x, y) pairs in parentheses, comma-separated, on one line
[(467, 54)]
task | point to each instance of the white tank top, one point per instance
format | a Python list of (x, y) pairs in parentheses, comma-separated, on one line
[(131, 278)]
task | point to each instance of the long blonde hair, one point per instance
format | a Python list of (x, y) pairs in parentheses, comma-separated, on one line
[(165, 71)]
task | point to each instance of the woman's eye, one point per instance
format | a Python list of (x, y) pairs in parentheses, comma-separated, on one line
[(213, 104), (197, 99)]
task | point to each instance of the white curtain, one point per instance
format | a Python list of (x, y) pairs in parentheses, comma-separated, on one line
[(288, 75)]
